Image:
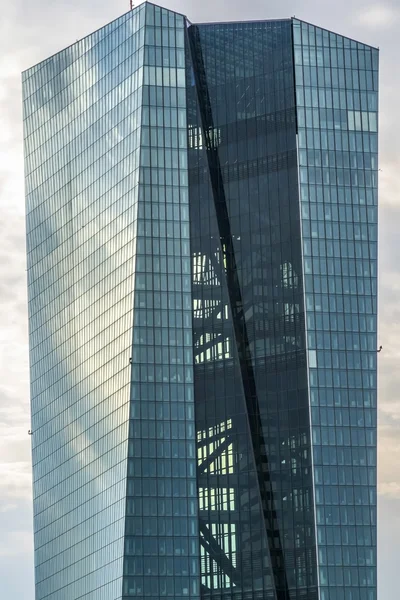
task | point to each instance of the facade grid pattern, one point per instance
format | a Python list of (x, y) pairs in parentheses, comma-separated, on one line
[(201, 210), (252, 417), (161, 542), (336, 89), (82, 111)]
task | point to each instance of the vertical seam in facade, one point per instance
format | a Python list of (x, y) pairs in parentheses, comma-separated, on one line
[(305, 326), (308, 373)]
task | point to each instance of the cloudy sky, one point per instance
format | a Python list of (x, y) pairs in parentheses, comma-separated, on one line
[(29, 32)]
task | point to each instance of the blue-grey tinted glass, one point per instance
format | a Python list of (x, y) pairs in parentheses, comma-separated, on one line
[(82, 110), (111, 315), (337, 97), (161, 545), (201, 237)]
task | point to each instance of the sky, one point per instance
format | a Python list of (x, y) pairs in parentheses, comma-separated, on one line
[(29, 32)]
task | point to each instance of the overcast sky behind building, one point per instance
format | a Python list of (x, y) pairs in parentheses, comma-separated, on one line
[(29, 33)]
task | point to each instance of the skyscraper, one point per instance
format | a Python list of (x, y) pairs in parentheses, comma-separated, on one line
[(202, 252)]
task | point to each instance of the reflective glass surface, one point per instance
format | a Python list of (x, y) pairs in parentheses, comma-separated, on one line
[(82, 111), (202, 256), (252, 416), (337, 97), (111, 315), (161, 545)]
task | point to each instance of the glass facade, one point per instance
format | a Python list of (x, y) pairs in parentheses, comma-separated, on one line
[(82, 112), (257, 537), (202, 251), (337, 98), (114, 465), (161, 544)]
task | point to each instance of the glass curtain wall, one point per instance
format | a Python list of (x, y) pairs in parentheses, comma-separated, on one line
[(161, 546), (82, 117), (252, 415), (337, 98), (203, 377)]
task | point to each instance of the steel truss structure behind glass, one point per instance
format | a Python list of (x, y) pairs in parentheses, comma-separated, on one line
[(252, 416), (202, 267)]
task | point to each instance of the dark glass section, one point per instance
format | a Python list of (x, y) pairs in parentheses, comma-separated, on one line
[(251, 392)]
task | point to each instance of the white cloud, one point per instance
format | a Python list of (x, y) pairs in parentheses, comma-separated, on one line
[(15, 480), (389, 182), (390, 409), (390, 490), (378, 15), (4, 508), (389, 450), (15, 477), (16, 543)]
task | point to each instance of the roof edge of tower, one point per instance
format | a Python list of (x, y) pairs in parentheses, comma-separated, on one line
[(44, 60), (247, 22), (335, 33), (164, 8)]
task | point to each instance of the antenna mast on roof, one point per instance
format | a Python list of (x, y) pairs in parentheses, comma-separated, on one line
[(131, 4)]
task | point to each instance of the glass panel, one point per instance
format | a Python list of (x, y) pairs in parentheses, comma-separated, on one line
[(252, 414), (341, 294)]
